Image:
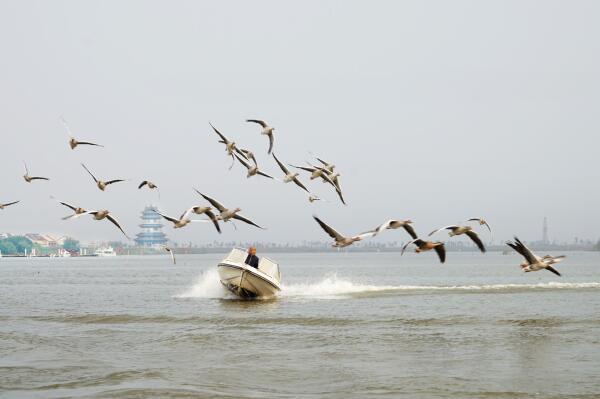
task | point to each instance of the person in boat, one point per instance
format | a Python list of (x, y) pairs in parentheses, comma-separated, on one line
[(252, 259)]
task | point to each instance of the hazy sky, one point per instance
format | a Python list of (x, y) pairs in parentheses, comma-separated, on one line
[(432, 110)]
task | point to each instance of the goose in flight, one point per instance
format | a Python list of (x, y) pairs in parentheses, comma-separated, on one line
[(101, 183), (456, 230), (28, 178), (395, 224), (482, 222), (170, 251), (77, 210), (207, 210), (73, 142), (329, 167), (2, 206), (105, 214), (423, 246), (183, 220), (230, 146), (341, 241), (247, 155), (533, 262), (317, 172), (148, 183), (312, 198), (252, 170), (227, 215), (290, 177), (266, 130)]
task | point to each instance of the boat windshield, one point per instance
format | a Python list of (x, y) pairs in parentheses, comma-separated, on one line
[(265, 264)]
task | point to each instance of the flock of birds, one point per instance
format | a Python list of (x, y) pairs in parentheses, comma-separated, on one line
[(325, 171)]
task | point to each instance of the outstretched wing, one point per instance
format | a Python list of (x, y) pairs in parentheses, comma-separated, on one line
[(213, 202), (212, 217), (223, 138), (262, 123), (142, 184), (473, 236), (11, 203), (245, 220), (407, 244), (113, 181), (553, 270), (329, 230), (114, 221), (299, 184), (281, 165), (88, 143), (264, 174), (303, 168), (93, 177), (38, 178), (271, 140), (169, 218), (441, 252), (442, 228)]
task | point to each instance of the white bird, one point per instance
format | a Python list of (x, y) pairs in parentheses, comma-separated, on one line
[(456, 230), (252, 170), (533, 262), (424, 246), (290, 177), (28, 178), (227, 214), (393, 224), (183, 220), (230, 146), (341, 241), (266, 130), (2, 206), (73, 142), (170, 251), (101, 184)]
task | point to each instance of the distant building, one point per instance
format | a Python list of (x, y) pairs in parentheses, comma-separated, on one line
[(151, 234), (45, 240)]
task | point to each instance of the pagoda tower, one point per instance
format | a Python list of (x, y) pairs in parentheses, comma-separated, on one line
[(151, 234)]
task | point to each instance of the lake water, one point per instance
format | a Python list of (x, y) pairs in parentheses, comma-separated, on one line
[(345, 326)]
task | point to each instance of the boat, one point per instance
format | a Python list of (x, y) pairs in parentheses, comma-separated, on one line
[(106, 251), (246, 281)]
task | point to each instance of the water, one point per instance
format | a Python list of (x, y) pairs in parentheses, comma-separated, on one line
[(345, 326)]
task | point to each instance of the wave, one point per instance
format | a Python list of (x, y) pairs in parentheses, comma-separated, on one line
[(209, 286)]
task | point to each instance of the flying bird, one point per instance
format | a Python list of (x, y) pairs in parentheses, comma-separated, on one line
[(105, 214), (2, 206), (247, 155), (290, 177), (100, 183), (170, 251), (266, 130), (207, 210), (329, 167), (150, 185), (73, 142), (533, 262), (228, 214), (395, 224), (183, 220), (252, 170), (341, 241), (77, 210), (230, 146), (317, 172), (482, 222), (423, 246), (28, 178), (456, 230)]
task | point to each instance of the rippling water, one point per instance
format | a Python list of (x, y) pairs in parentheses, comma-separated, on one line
[(345, 325)]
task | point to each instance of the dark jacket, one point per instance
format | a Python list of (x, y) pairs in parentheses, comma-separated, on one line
[(252, 260)]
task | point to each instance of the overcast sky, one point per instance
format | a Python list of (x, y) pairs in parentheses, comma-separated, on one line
[(432, 110)]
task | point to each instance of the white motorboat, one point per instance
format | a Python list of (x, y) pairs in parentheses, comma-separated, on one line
[(246, 281), (106, 251)]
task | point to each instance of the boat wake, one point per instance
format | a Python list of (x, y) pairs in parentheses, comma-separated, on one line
[(332, 286)]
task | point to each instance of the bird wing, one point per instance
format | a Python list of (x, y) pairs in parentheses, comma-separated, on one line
[(38, 178), (213, 202), (169, 218), (219, 133), (264, 174), (441, 252), (299, 184), (410, 230), (303, 168), (11, 203), (271, 140), (281, 165), (553, 270), (73, 208), (262, 123), (329, 230), (481, 221), (114, 221), (339, 193), (526, 252), (142, 184), (88, 143), (243, 162), (245, 220), (323, 162), (113, 181), (212, 217), (407, 244), (473, 236), (442, 228), (91, 174)]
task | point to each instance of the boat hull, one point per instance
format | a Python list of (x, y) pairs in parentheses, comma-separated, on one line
[(246, 281)]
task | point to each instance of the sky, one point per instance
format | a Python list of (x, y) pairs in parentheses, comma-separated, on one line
[(433, 111)]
